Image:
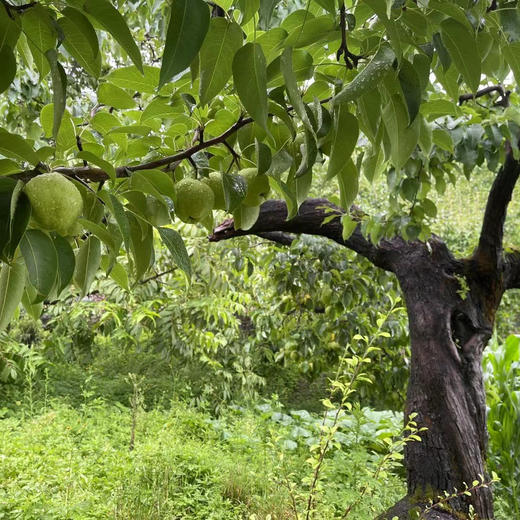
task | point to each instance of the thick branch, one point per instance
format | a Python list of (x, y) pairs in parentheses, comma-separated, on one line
[(313, 219), (488, 254), (279, 237)]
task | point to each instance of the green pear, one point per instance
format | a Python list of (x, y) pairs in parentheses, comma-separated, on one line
[(214, 181), (194, 200), (56, 202), (257, 187)]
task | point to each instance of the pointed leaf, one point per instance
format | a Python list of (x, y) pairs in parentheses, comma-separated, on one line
[(348, 179), (344, 139), (463, 49), (12, 283), (87, 263), (250, 76), (216, 57), (173, 241), (113, 22), (189, 23), (41, 261), (8, 62), (411, 87), (59, 90), (66, 262), (16, 147)]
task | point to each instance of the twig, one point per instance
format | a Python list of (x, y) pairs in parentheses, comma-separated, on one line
[(504, 95), (351, 60), (158, 275)]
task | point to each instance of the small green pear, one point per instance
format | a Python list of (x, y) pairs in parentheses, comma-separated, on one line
[(55, 201), (257, 187), (214, 181), (194, 200)]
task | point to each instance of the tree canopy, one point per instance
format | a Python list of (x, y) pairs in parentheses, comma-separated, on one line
[(127, 99)]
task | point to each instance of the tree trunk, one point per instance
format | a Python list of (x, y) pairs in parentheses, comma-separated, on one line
[(448, 330)]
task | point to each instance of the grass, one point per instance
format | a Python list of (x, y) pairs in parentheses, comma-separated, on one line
[(65, 462)]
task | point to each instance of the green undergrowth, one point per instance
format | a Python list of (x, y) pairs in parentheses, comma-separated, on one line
[(65, 462)]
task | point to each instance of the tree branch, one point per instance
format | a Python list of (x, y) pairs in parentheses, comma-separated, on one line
[(314, 219), (488, 254), (504, 95)]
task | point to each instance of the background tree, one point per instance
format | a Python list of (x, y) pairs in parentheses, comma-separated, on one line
[(262, 91)]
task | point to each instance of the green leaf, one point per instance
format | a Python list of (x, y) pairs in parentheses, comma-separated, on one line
[(16, 147), (286, 66), (113, 22), (309, 152), (248, 9), (8, 62), (159, 108), (263, 157), (511, 53), (34, 310), (10, 28), (122, 221), (411, 87), (216, 57), (81, 40), (59, 90), (313, 30), (41, 261), (246, 216), (369, 77), (463, 49), (12, 283), (66, 262), (7, 166), (41, 35), (141, 235), (100, 163), (344, 139), (87, 263), (266, 13), (249, 74), (100, 232), (113, 96), (235, 190), (173, 241), (302, 65), (19, 215), (403, 137), (129, 78), (189, 23)]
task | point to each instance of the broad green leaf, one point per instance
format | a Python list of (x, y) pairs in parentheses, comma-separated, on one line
[(113, 22), (41, 261), (87, 263), (313, 30), (344, 139), (17, 148), (67, 134), (154, 182), (266, 13), (403, 137), (411, 87), (103, 122), (12, 283), (122, 221), (8, 62), (291, 86), (348, 180), (270, 42), (59, 90), (159, 108), (189, 23), (248, 9), (101, 232), (369, 77), (19, 214), (113, 96), (99, 162), (130, 78), (34, 310), (263, 156), (7, 187), (10, 28), (463, 49), (141, 235), (249, 74), (309, 151), (235, 190), (216, 57), (81, 40), (246, 216), (120, 276), (173, 241), (7, 166), (302, 64), (41, 35), (66, 262), (511, 53)]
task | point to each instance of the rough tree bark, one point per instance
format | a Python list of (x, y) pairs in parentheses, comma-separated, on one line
[(451, 305)]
